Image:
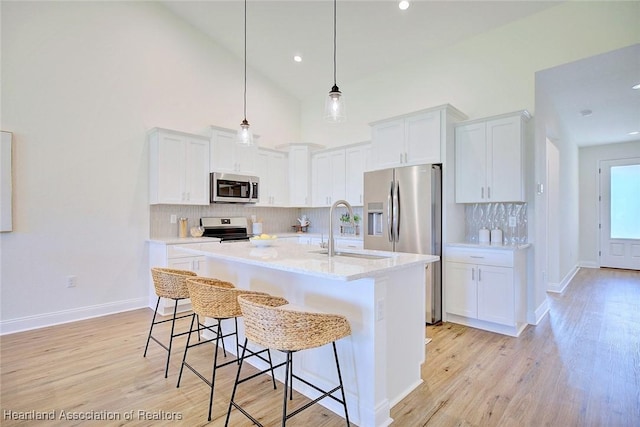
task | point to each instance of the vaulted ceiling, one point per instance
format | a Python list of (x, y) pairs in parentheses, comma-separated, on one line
[(376, 35)]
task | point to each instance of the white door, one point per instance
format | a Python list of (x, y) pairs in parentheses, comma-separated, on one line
[(620, 213)]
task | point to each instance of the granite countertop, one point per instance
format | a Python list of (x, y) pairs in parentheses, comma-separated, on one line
[(489, 246), (290, 256), (182, 240)]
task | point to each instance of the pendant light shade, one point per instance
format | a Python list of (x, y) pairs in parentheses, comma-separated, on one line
[(245, 136), (334, 109)]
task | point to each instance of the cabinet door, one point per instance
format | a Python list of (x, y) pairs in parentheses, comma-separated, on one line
[(471, 163), (505, 165), (461, 289), (321, 181), (245, 158), (278, 187), (171, 166), (337, 175), (388, 142), (299, 176), (355, 165), (262, 171), (196, 189), (422, 138), (223, 154), (496, 295), (272, 170)]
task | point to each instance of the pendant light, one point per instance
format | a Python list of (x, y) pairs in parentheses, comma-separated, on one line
[(334, 110), (245, 136)]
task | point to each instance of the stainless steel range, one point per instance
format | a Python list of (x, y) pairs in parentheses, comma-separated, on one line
[(233, 229)]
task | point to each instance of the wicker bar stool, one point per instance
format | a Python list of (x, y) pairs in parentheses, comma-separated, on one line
[(270, 323), (218, 299), (169, 283)]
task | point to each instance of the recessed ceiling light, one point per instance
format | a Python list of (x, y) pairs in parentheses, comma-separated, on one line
[(586, 113), (297, 58), (636, 86), (403, 5), (635, 132)]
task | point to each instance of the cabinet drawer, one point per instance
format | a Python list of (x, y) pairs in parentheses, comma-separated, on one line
[(172, 252), (497, 257)]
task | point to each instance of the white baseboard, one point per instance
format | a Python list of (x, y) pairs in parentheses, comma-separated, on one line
[(560, 287), (539, 313), (589, 264), (65, 316)]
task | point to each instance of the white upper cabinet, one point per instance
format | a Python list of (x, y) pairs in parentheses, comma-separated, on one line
[(300, 175), (357, 161), (179, 168), (490, 159), (273, 174), (328, 177), (228, 156), (412, 139)]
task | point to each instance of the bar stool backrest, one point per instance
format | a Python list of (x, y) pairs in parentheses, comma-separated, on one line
[(269, 322), (171, 282), (216, 298)]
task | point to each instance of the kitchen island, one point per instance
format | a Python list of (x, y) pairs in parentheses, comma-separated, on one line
[(381, 293)]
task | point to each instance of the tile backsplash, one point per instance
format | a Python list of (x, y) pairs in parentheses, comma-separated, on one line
[(511, 218), (275, 220)]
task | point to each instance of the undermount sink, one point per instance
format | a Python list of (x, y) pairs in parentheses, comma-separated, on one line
[(351, 254)]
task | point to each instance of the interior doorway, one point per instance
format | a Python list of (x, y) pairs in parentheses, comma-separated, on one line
[(620, 213)]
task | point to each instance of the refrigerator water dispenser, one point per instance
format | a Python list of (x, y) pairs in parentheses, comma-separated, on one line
[(374, 220)]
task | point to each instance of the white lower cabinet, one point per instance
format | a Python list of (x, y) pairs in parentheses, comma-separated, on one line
[(486, 288), (165, 255)]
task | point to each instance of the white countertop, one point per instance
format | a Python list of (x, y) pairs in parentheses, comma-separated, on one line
[(304, 259), (489, 246), (182, 240)]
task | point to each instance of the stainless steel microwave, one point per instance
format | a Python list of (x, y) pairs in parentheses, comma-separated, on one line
[(232, 188)]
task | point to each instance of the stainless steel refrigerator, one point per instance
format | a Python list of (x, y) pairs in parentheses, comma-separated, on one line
[(403, 213)]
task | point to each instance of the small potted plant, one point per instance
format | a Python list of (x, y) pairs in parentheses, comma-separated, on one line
[(347, 227)]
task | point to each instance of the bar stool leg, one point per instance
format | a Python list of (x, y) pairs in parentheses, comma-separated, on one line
[(235, 384), (344, 399), (153, 322), (215, 365), (173, 325), (287, 381), (186, 348)]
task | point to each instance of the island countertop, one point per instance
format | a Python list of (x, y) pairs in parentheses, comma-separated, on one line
[(305, 259)]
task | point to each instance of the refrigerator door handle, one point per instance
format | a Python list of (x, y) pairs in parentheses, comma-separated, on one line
[(390, 212), (396, 212)]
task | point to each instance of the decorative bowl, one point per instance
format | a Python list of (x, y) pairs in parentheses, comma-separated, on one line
[(197, 231), (260, 241)]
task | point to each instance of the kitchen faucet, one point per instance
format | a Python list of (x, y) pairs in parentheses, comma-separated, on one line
[(331, 249)]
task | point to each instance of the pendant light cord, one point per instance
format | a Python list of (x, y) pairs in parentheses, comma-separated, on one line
[(245, 60), (334, 42)]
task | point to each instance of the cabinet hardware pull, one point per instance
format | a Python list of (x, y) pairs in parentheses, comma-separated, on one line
[(488, 192), (400, 157), (479, 275), (473, 274)]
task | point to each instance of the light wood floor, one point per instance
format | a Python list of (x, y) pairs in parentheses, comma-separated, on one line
[(579, 367)]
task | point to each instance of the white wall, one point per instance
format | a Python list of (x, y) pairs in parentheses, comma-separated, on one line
[(82, 82), (589, 191), (492, 73)]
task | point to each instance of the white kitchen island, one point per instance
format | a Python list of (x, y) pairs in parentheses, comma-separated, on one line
[(383, 298)]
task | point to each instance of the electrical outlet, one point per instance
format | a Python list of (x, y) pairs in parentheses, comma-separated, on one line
[(173, 219), (72, 281)]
